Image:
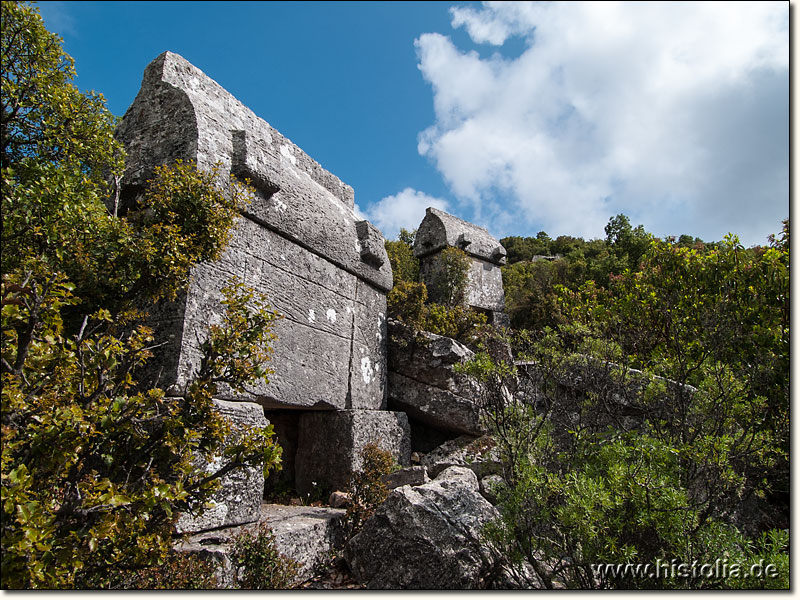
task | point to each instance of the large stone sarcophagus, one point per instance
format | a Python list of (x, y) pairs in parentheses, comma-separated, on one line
[(299, 242)]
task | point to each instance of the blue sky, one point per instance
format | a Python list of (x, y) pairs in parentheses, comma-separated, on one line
[(520, 117)]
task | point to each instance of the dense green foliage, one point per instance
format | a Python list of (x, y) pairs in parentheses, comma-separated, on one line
[(97, 463), (538, 267), (684, 459), (405, 266)]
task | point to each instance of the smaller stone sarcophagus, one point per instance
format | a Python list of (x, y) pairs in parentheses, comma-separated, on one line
[(440, 230)]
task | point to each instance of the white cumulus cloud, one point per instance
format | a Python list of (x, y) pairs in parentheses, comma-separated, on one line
[(405, 210), (675, 114)]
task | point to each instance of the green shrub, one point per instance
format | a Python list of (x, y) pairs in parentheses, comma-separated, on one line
[(597, 467), (258, 563), (367, 487), (406, 302), (405, 266), (457, 322), (97, 464)]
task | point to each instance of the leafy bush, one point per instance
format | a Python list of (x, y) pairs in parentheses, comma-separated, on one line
[(96, 462), (458, 322), (258, 563), (94, 471), (405, 266), (367, 488), (406, 301), (602, 464)]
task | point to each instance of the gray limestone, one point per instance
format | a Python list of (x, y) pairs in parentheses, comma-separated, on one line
[(240, 495), (424, 383), (479, 455), (441, 409), (439, 230), (330, 444), (490, 486), (306, 534), (426, 537), (415, 475), (299, 242)]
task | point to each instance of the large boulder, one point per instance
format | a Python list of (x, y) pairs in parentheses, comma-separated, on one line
[(424, 383), (426, 537)]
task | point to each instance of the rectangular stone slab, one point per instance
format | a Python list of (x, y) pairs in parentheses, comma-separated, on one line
[(368, 366)]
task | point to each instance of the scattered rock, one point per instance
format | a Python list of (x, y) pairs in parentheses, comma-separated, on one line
[(434, 406), (416, 475), (477, 454), (339, 500), (307, 534), (426, 537), (426, 357), (489, 486)]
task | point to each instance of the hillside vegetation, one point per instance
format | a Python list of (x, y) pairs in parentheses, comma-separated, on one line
[(650, 419)]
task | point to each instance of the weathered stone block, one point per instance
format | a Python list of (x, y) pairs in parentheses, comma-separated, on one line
[(415, 475), (424, 383), (428, 358), (330, 444), (434, 406), (306, 534), (440, 230), (240, 495), (368, 371)]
